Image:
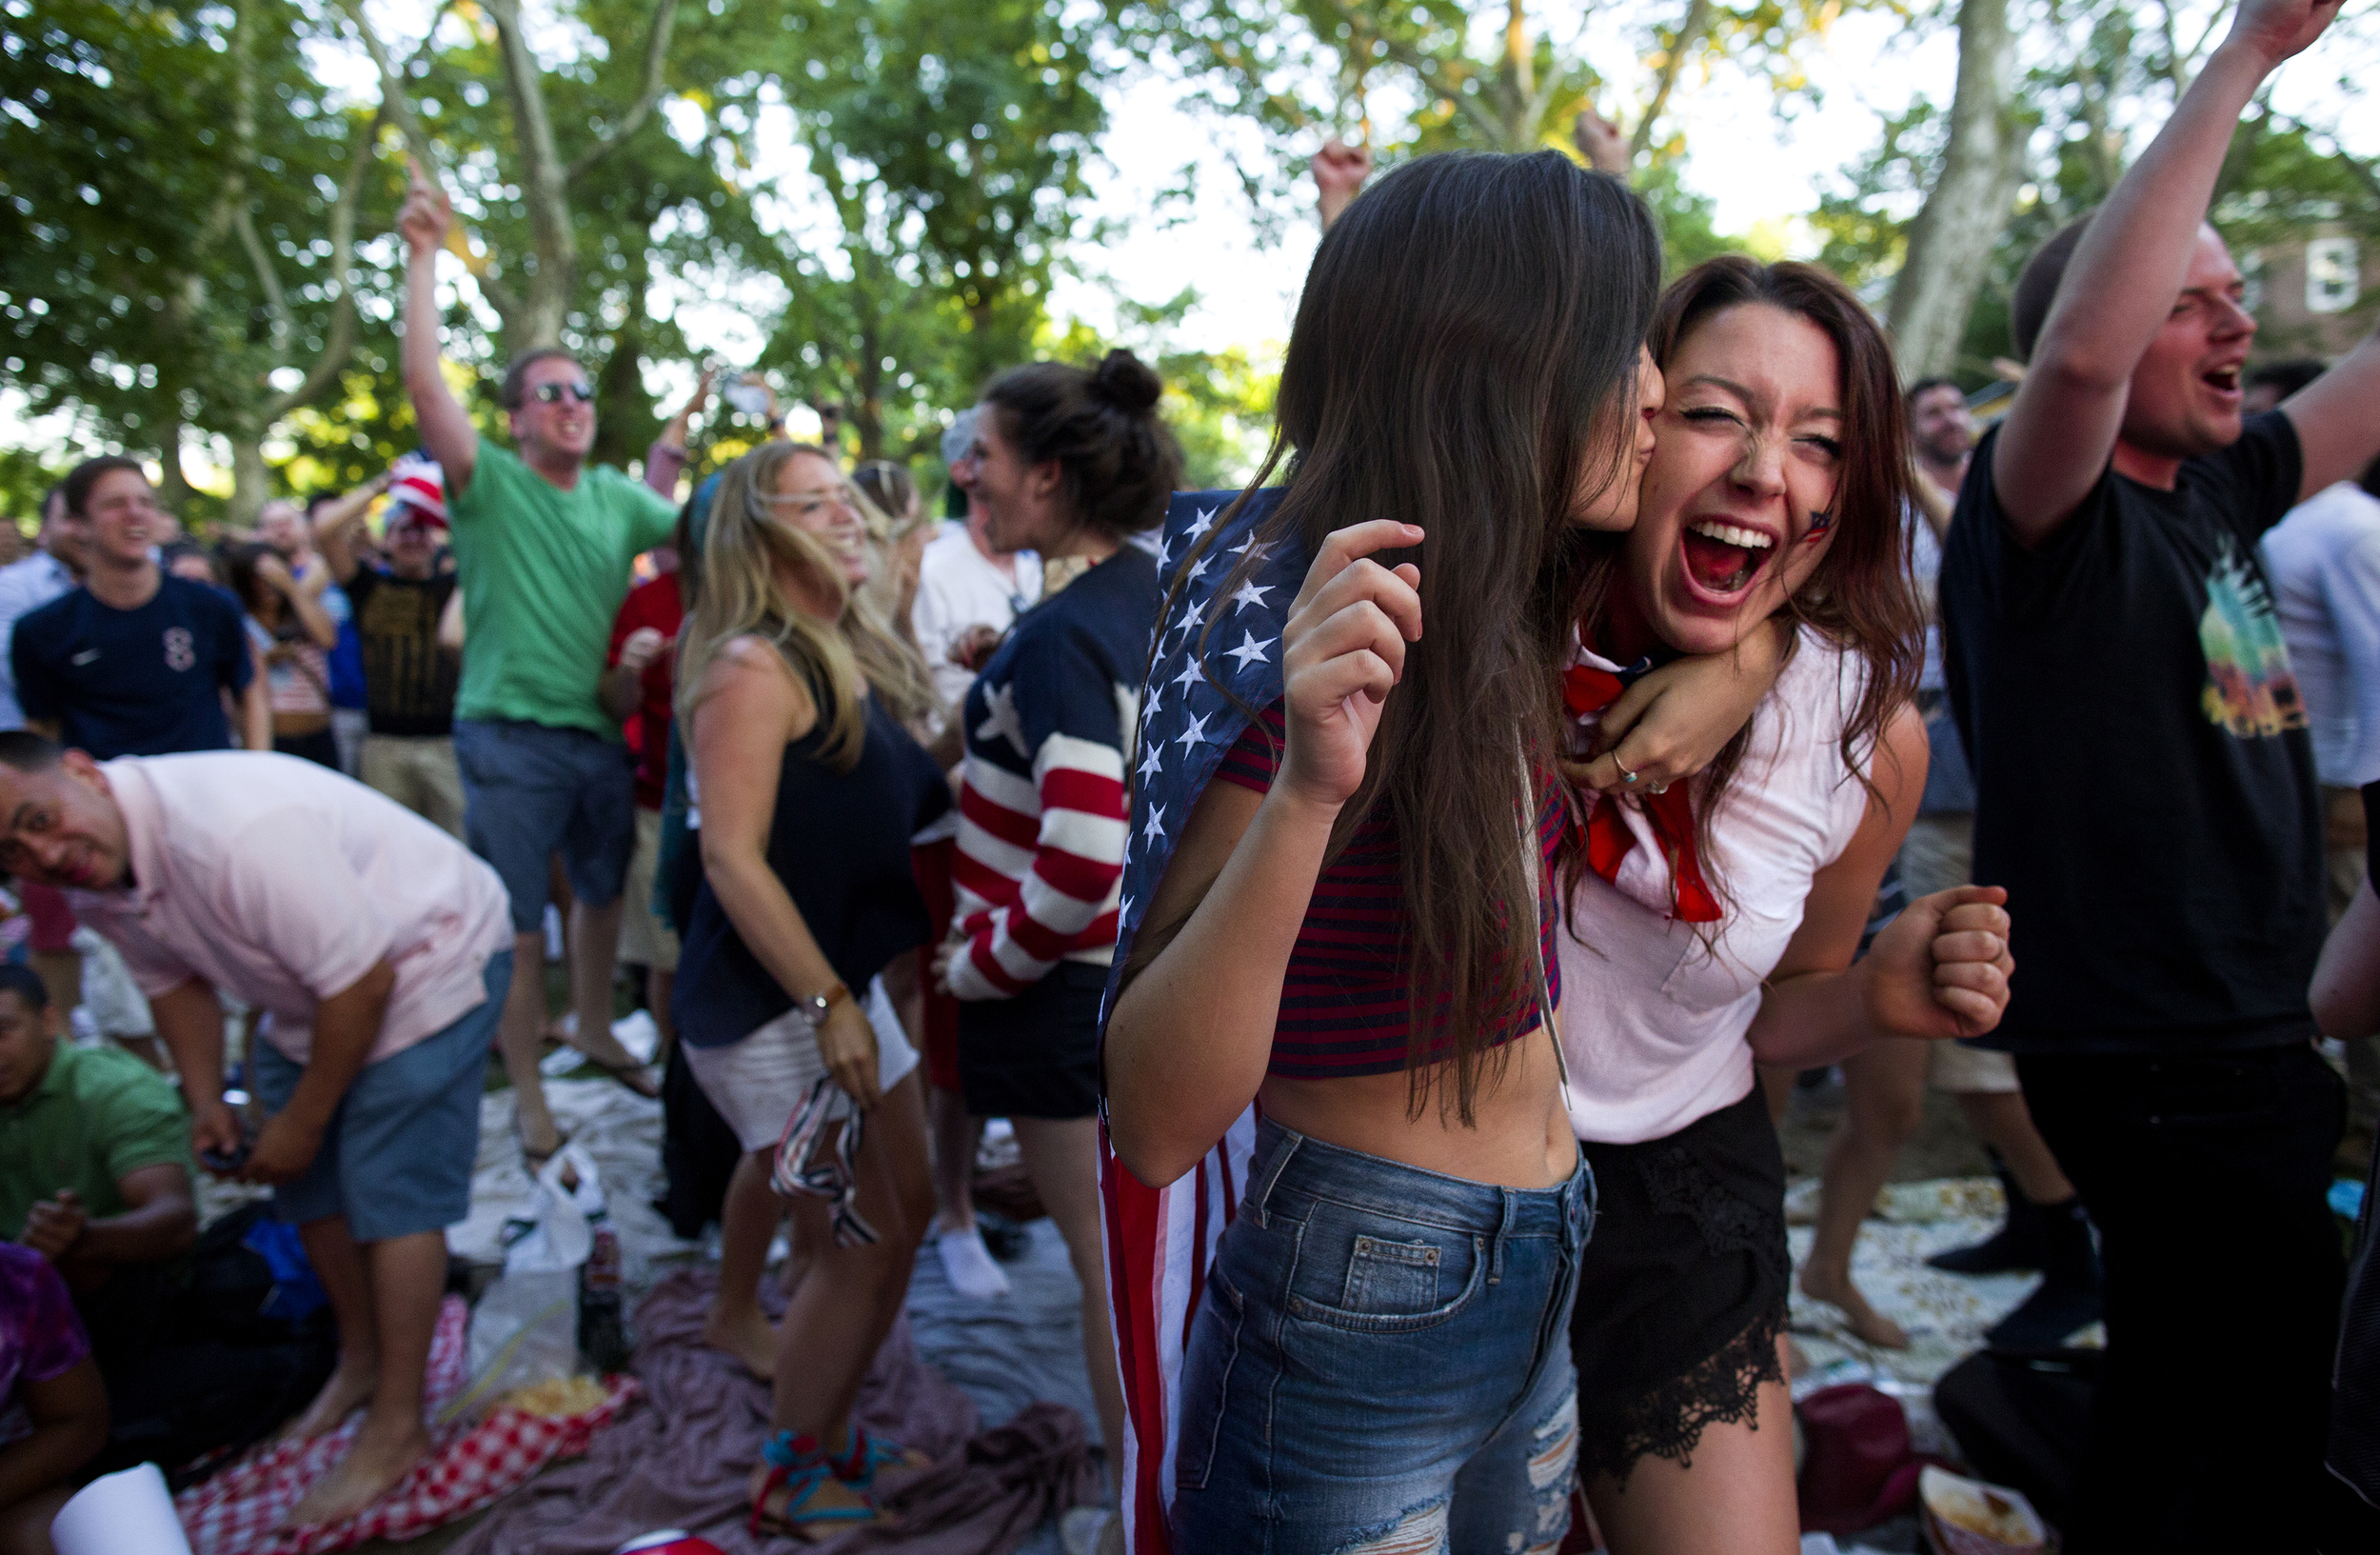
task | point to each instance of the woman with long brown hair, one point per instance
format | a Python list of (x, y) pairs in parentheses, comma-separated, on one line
[(1713, 924), (1346, 929)]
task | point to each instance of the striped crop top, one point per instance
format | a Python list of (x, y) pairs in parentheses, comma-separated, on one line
[(1345, 1003)]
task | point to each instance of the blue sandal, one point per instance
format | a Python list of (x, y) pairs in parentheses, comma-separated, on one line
[(857, 1468), (798, 1465)]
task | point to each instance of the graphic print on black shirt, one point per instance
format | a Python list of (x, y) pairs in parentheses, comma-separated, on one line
[(2249, 689), (408, 681), (2145, 779)]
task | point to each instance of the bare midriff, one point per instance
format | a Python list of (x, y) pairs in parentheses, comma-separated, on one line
[(1520, 1135)]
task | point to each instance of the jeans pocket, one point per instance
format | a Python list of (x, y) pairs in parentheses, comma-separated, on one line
[(1391, 1278), (1207, 1364)]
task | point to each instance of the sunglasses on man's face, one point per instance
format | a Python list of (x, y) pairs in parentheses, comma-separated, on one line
[(551, 393)]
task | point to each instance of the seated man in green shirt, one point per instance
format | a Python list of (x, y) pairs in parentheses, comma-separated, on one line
[(94, 1161), (543, 544)]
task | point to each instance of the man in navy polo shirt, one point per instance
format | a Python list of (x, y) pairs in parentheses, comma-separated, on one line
[(135, 662)]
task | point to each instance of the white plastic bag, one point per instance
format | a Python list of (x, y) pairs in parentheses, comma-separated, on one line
[(525, 1327)]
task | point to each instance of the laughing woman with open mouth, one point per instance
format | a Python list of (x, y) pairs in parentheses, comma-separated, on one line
[(1713, 925)]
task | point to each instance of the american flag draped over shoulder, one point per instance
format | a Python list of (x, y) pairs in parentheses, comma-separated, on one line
[(1159, 1240)]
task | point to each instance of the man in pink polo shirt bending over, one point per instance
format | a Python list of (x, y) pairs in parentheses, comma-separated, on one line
[(379, 950)]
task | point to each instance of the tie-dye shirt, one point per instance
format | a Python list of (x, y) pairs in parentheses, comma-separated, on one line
[(41, 1337)]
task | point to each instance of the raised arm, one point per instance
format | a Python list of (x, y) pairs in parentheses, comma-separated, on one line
[(1192, 1032), (1339, 170), (2126, 276), (666, 460), (446, 429), (339, 523), (2336, 431), (306, 604)]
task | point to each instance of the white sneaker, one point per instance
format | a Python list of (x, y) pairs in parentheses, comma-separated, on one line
[(967, 1263)]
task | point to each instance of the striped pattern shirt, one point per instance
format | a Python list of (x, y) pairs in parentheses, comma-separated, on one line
[(1346, 1003), (1042, 825)]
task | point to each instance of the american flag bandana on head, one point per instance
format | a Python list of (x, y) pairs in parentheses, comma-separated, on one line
[(1161, 1239)]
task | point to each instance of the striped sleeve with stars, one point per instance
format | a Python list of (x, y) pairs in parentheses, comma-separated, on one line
[(1042, 822)]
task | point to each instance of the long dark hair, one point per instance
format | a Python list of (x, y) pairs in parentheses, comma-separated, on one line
[(1464, 359), (1119, 460), (1861, 598)]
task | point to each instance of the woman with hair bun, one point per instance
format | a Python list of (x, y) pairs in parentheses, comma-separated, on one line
[(1071, 463)]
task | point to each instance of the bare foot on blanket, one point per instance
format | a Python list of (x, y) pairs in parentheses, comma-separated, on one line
[(1865, 1322), (748, 1338), (371, 1469), (350, 1387)]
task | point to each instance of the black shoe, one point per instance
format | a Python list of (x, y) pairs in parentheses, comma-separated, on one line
[(2068, 1295), (2019, 1243), (1003, 1237)]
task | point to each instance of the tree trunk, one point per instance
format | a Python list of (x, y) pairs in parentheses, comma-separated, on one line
[(173, 486), (1951, 242), (544, 186), (867, 409), (251, 483)]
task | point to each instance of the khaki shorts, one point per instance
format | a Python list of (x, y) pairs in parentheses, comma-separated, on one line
[(643, 940), (417, 771)]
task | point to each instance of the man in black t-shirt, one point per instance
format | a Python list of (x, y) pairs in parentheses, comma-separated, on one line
[(2145, 793), (135, 662), (411, 625)]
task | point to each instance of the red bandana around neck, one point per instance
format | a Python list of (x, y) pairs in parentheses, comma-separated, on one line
[(1669, 813)]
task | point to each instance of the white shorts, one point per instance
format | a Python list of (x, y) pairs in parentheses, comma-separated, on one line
[(758, 1082)]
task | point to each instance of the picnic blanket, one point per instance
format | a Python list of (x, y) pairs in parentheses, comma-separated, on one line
[(684, 1460), (474, 1459)]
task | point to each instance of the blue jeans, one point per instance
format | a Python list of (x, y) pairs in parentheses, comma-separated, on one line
[(1381, 1360)]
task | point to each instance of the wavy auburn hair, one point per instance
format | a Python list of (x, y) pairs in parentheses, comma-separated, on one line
[(1862, 597), (740, 596), (1464, 358)]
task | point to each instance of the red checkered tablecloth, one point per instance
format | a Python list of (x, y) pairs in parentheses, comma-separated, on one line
[(472, 1461)]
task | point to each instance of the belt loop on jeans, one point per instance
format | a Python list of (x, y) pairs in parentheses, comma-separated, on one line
[(1504, 1230), (1261, 1192)]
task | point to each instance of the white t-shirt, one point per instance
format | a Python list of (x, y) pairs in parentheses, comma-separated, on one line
[(1655, 1009), (958, 588), (2324, 563)]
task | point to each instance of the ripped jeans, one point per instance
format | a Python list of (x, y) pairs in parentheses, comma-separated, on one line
[(1380, 1363)]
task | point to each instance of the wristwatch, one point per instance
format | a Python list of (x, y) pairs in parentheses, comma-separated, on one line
[(814, 1008)]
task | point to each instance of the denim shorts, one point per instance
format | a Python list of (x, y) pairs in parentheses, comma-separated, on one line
[(397, 1157), (1381, 1360), (530, 791)]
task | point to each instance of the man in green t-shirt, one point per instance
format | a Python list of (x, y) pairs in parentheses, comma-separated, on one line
[(94, 1148), (543, 542)]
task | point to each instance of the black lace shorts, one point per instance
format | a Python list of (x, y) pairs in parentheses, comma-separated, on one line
[(1682, 1289)]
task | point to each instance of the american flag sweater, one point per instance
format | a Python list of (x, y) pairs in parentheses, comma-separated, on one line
[(1042, 825)]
